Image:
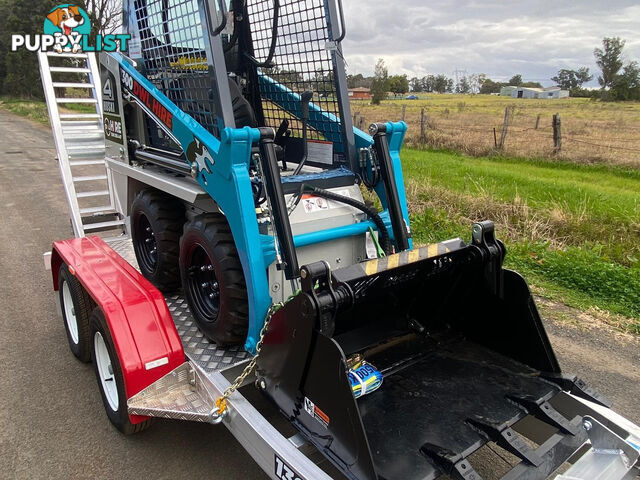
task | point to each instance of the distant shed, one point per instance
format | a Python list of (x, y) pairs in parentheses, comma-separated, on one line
[(532, 92), (359, 93)]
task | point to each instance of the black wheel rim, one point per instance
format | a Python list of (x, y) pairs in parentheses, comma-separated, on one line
[(202, 284), (147, 246)]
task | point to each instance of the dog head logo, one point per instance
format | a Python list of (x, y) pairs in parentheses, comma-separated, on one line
[(68, 21)]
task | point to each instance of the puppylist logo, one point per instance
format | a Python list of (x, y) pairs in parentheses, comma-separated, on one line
[(66, 29)]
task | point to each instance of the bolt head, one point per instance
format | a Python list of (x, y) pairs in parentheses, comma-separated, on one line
[(304, 273), (587, 425)]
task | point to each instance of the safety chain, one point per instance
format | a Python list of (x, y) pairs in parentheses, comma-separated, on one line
[(221, 403)]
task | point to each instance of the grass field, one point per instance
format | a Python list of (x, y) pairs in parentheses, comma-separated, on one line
[(593, 131), (571, 228)]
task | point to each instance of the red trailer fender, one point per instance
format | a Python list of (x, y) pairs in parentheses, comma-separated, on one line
[(141, 326)]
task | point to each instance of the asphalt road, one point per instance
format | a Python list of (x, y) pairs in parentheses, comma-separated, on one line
[(52, 423)]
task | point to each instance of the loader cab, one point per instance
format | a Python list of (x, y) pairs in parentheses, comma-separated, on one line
[(249, 64)]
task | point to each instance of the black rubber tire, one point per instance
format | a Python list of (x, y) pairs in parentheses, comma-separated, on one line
[(210, 234), (82, 306), (120, 417), (164, 215)]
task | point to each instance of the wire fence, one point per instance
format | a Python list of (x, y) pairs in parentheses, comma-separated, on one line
[(588, 139)]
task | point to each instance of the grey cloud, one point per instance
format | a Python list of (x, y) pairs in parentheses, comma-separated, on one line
[(500, 39)]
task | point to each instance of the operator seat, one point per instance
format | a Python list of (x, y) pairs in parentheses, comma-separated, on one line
[(243, 113)]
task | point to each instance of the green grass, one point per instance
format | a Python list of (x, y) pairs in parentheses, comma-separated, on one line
[(36, 110), (573, 230)]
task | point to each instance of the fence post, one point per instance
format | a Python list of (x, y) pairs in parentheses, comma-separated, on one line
[(355, 118), (557, 133), (537, 121), (423, 121), (404, 110), (505, 125)]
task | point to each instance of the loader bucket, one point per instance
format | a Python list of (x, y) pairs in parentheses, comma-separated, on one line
[(460, 344)]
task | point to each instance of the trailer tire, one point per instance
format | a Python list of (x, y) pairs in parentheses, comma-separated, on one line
[(76, 305), (157, 220), (213, 279), (109, 375)]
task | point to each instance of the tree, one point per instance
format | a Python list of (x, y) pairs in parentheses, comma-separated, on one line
[(516, 80), (571, 79), (463, 85), (489, 86), (609, 60), (476, 80), (105, 16), (626, 86), (416, 85), (399, 84), (379, 85), (19, 72)]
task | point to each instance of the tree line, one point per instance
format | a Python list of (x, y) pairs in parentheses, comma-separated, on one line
[(618, 80)]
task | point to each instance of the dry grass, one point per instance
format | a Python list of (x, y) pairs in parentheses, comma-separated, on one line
[(593, 131)]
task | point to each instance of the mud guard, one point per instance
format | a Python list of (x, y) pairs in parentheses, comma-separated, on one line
[(143, 332)]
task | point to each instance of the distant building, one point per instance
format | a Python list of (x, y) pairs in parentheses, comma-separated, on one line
[(506, 91), (532, 92), (359, 93)]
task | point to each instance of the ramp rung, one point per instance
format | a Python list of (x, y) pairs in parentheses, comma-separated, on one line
[(76, 100), (89, 178), (104, 209), (66, 55), (69, 70), (87, 155), (102, 225), (75, 136), (95, 193), (81, 163), (72, 85), (90, 146), (79, 115)]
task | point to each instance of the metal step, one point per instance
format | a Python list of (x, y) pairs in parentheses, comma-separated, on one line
[(90, 146), (94, 193), (104, 210), (71, 85), (80, 115), (82, 163), (181, 394), (66, 55), (69, 70), (103, 225), (78, 136), (76, 100), (89, 178), (87, 155)]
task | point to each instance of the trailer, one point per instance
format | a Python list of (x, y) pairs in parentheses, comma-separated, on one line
[(242, 280)]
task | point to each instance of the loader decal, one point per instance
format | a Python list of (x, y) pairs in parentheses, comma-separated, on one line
[(284, 471), (144, 98), (312, 409)]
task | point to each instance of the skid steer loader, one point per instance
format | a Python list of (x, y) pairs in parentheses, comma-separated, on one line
[(233, 158)]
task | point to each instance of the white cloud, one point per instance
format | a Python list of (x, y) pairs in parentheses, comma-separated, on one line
[(499, 38)]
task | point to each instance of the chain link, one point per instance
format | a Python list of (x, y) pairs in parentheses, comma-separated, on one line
[(221, 402)]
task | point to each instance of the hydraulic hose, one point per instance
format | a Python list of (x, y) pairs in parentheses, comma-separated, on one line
[(385, 241)]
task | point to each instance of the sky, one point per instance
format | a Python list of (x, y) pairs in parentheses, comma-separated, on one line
[(498, 38)]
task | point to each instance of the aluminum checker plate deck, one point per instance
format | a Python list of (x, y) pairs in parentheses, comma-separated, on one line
[(206, 354)]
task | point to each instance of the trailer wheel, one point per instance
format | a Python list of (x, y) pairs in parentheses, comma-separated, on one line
[(213, 280), (156, 224), (109, 376), (76, 305)]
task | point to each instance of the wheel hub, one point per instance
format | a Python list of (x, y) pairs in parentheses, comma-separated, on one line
[(203, 284)]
